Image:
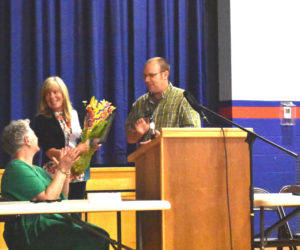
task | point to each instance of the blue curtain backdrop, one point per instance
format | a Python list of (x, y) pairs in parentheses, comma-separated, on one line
[(99, 48)]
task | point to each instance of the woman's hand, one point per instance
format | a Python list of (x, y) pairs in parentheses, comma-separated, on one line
[(60, 181), (95, 144), (83, 147), (85, 123), (68, 157)]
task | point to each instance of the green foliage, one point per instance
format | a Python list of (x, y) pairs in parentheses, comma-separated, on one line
[(84, 161)]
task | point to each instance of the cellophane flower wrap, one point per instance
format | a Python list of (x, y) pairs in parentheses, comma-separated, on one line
[(94, 125)]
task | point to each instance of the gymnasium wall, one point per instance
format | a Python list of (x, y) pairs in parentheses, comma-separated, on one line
[(264, 71)]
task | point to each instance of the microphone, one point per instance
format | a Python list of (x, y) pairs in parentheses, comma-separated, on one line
[(152, 128), (195, 105), (149, 114)]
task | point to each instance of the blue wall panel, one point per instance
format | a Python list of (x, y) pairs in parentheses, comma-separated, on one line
[(272, 167)]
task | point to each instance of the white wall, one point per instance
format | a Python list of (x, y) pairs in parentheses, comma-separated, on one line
[(265, 50)]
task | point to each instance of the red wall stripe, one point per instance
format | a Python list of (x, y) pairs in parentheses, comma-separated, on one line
[(255, 112)]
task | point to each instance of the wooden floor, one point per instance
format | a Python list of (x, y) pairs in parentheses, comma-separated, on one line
[(275, 248)]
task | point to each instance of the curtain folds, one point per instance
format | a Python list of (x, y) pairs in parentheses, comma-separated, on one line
[(99, 48)]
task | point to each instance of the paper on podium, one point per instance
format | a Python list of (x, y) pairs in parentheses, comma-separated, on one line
[(107, 197)]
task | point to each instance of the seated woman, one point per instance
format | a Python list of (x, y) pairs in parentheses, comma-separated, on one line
[(23, 181)]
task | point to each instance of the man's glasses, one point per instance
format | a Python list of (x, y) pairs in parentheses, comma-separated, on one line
[(151, 75)]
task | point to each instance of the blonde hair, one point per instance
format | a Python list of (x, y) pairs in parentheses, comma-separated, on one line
[(49, 84), (163, 63)]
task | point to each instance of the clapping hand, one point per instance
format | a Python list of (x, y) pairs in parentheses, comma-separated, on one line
[(142, 126), (68, 156)]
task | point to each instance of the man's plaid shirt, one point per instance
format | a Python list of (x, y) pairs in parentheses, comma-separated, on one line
[(173, 110)]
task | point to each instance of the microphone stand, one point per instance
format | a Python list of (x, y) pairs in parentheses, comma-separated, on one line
[(251, 136)]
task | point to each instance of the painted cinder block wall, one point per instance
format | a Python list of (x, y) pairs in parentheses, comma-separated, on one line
[(258, 68), (272, 167)]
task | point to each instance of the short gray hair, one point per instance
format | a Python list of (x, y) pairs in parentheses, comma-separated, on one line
[(13, 136)]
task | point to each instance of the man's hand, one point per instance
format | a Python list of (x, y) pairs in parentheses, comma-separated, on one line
[(157, 133), (142, 126)]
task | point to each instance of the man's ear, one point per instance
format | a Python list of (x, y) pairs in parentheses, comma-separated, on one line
[(165, 75)]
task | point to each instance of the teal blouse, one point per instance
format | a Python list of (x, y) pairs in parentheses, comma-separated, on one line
[(22, 182)]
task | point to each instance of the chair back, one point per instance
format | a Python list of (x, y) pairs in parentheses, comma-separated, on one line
[(257, 190), (290, 189)]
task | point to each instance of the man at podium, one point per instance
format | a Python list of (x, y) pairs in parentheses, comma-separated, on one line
[(162, 106)]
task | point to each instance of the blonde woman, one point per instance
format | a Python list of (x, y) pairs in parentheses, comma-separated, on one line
[(57, 126)]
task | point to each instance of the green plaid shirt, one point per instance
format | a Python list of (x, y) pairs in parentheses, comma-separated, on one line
[(172, 110)]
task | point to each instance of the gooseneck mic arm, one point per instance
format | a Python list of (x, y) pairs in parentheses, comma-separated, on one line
[(199, 108), (251, 136)]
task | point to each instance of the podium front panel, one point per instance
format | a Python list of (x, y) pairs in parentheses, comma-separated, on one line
[(210, 202)]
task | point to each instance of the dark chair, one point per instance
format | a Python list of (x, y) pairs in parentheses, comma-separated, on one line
[(15, 219), (285, 230), (290, 189), (284, 238)]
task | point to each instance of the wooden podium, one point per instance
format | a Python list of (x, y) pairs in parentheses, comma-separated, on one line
[(187, 167)]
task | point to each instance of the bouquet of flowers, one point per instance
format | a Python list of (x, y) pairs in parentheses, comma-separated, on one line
[(96, 121)]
